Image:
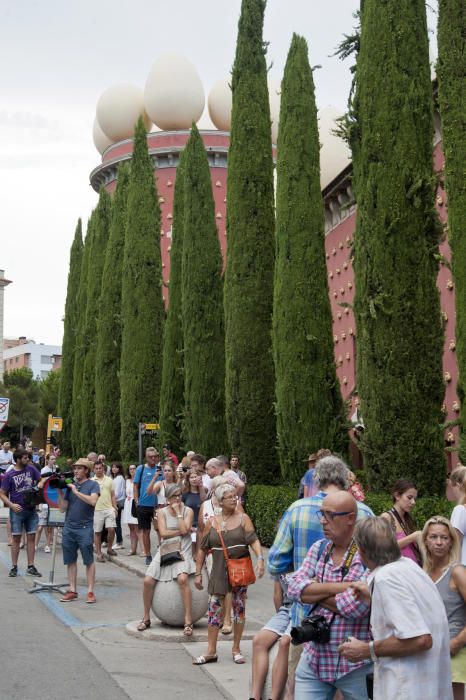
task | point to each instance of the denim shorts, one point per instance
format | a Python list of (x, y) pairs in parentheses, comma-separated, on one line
[(78, 538), (25, 519), (280, 623)]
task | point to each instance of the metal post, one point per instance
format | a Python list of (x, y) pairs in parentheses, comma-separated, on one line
[(140, 429)]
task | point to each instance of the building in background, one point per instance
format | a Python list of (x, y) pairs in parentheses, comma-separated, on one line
[(23, 352), (3, 283), (173, 98)]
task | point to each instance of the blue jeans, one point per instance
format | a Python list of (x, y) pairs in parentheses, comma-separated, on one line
[(309, 687), (27, 519), (76, 539)]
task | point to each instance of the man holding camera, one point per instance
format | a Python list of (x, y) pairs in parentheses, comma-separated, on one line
[(17, 483), (79, 503), (324, 581)]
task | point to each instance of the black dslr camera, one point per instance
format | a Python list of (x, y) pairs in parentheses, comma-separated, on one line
[(314, 628), (61, 480), (33, 497)]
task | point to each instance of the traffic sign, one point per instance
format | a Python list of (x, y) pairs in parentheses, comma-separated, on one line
[(4, 409)]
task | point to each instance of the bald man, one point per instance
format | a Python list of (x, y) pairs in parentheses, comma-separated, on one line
[(324, 581)]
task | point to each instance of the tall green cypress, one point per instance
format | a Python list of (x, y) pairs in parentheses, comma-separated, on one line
[(81, 344), (250, 392), (202, 308), (65, 396), (452, 97), (310, 410), (399, 331), (107, 361), (172, 392), (94, 286), (142, 309)]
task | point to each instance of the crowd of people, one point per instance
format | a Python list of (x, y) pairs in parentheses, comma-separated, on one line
[(365, 606)]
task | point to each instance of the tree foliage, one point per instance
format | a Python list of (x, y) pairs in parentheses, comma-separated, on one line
[(451, 74), (69, 339), (107, 363), (202, 308), (399, 333), (94, 286), (172, 391), (248, 289), (310, 409), (143, 311), (23, 391), (49, 389), (81, 342)]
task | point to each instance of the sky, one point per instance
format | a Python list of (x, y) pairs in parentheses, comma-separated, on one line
[(56, 59)]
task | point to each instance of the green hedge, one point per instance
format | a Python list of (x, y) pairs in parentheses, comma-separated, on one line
[(266, 505)]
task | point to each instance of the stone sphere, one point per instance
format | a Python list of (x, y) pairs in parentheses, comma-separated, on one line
[(334, 152), (101, 142), (118, 110), (167, 603), (174, 96), (275, 90), (219, 104)]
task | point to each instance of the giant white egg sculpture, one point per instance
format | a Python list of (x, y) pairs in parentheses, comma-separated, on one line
[(118, 110), (334, 152), (173, 96), (219, 103), (101, 142)]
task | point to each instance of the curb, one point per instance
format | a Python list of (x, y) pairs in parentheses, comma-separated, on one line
[(164, 633)]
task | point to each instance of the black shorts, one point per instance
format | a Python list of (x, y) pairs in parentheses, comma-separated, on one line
[(145, 515)]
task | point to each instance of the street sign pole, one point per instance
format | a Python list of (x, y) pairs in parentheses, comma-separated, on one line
[(141, 427)]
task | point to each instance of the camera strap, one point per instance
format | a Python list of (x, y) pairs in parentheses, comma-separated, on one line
[(346, 567)]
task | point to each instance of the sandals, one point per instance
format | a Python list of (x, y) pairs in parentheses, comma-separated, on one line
[(226, 629), (188, 630), (238, 658), (201, 660), (101, 558), (143, 625)]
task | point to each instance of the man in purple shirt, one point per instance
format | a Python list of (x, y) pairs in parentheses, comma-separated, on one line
[(16, 484)]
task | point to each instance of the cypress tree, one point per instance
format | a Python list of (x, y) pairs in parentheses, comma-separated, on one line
[(65, 396), (452, 97), (107, 365), (94, 286), (310, 410), (202, 305), (399, 331), (143, 311), (81, 341), (172, 392), (248, 285)]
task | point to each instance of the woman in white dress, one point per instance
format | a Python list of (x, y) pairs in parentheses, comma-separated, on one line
[(127, 518)]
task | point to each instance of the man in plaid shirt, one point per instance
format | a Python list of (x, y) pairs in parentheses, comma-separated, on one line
[(324, 581)]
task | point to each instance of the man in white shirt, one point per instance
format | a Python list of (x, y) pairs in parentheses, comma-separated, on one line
[(411, 647), (6, 457)]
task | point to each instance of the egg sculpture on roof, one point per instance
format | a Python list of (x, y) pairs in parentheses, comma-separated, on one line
[(173, 95), (219, 104), (101, 142), (118, 110), (334, 152)]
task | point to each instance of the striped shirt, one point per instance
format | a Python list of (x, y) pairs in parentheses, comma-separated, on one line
[(352, 618), (299, 528)]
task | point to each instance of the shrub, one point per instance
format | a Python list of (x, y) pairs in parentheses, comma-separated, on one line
[(266, 505)]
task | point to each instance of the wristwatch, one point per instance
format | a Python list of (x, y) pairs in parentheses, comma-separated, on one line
[(374, 656)]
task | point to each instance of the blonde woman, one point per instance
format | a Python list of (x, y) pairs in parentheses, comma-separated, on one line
[(458, 517), (440, 549)]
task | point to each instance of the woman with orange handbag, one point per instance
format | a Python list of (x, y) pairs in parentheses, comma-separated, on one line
[(228, 536)]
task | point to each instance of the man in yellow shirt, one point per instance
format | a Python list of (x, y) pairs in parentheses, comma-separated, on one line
[(105, 512)]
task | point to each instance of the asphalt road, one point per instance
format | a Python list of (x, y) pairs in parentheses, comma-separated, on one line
[(56, 650)]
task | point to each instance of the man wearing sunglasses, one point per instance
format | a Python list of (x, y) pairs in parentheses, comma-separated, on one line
[(324, 581)]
